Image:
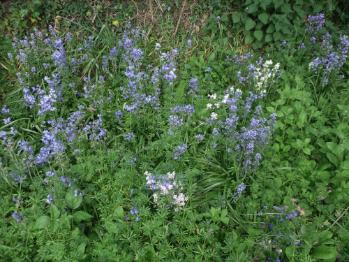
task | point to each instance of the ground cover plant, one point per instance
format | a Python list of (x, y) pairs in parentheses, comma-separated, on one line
[(137, 142)]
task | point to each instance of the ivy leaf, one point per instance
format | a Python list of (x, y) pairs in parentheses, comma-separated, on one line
[(258, 34), (250, 24), (263, 17)]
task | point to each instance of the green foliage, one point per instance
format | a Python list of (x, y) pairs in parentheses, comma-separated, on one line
[(294, 206), (266, 21)]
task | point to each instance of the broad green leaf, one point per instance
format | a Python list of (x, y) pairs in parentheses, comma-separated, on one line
[(250, 24), (119, 212), (54, 211), (248, 39), (324, 252), (268, 38), (42, 222), (236, 17), (270, 29), (251, 9), (263, 17), (258, 35), (81, 216), (72, 200)]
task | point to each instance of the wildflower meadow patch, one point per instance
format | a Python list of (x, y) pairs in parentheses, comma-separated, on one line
[(120, 145)]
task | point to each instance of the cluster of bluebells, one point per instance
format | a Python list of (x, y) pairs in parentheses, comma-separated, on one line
[(238, 124), (178, 115), (52, 147), (315, 23), (332, 57), (239, 190), (95, 130), (165, 189)]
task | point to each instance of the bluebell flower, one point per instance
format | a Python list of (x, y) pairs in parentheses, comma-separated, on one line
[(17, 216), (179, 151), (134, 211), (49, 199), (129, 136)]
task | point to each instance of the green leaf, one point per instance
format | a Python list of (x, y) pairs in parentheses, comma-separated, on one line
[(263, 17), (290, 251), (250, 24), (81, 216), (270, 29), (248, 39), (258, 35), (54, 211), (236, 16), (251, 9), (268, 38), (42, 222), (73, 201), (324, 252), (277, 36), (119, 212)]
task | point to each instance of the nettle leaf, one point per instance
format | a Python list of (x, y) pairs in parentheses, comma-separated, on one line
[(72, 200), (81, 216), (268, 38), (119, 212), (258, 34), (324, 252), (250, 24), (263, 17), (236, 16), (248, 39), (251, 9), (42, 222), (270, 29)]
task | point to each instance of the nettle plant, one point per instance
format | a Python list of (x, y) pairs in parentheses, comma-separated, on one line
[(267, 21)]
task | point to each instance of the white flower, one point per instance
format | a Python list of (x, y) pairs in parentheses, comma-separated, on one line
[(214, 116), (157, 46), (171, 175), (155, 197), (213, 96), (209, 106), (225, 99), (179, 200)]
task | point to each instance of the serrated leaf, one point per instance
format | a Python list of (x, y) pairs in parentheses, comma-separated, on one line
[(268, 38), (119, 212), (263, 17), (324, 252), (81, 216), (42, 222), (236, 16), (250, 24), (270, 29), (54, 211), (258, 34), (251, 9), (73, 201), (248, 39)]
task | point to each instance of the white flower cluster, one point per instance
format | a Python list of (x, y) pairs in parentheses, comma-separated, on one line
[(166, 187), (231, 96), (264, 74)]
